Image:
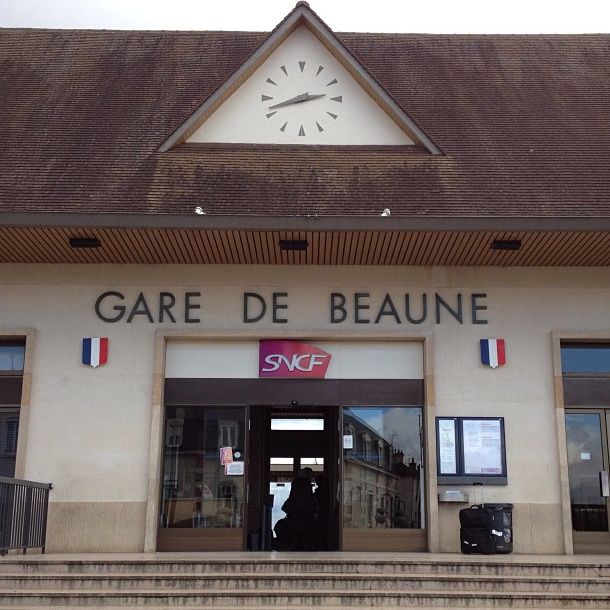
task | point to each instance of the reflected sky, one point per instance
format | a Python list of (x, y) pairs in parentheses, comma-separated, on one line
[(398, 426)]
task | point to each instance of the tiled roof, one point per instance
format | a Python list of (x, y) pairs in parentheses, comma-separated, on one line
[(523, 122)]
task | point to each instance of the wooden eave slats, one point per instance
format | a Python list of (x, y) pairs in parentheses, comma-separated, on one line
[(198, 246)]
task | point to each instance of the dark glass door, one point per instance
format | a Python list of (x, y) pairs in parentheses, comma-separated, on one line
[(293, 478), (587, 433)]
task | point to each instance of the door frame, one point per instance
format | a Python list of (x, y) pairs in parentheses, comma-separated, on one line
[(584, 542), (332, 415), (162, 337), (28, 336), (286, 393), (557, 337)]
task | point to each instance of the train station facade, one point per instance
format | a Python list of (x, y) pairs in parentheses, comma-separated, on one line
[(228, 259)]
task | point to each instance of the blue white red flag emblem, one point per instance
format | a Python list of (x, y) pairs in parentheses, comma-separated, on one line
[(493, 352), (95, 351)]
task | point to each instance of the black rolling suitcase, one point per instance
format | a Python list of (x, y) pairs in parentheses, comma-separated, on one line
[(486, 529), (475, 531), (501, 526)]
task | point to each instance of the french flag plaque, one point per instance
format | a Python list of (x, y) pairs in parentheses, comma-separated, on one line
[(95, 351), (493, 352)]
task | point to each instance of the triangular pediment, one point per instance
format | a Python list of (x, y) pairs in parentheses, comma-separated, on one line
[(303, 87)]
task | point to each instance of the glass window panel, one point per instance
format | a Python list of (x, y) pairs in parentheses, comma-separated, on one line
[(383, 473), (295, 423), (12, 358), (198, 489), (309, 461), (9, 430), (281, 464), (592, 358), (585, 461), (315, 463), (287, 461)]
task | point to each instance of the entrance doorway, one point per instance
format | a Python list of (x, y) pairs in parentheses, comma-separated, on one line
[(294, 479), (234, 447), (587, 435)]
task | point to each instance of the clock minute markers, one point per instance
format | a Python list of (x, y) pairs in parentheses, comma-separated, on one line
[(302, 68)]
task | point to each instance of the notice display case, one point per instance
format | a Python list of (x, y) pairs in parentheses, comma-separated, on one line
[(471, 451)]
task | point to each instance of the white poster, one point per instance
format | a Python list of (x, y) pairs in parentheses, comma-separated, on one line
[(234, 469), (447, 447), (482, 446)]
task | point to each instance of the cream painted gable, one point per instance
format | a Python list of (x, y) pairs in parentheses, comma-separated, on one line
[(342, 114)]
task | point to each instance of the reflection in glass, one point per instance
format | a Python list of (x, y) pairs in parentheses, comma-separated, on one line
[(9, 429), (12, 358), (585, 461), (383, 473), (198, 490), (592, 358)]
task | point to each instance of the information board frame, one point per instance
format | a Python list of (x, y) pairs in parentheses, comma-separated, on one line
[(451, 468)]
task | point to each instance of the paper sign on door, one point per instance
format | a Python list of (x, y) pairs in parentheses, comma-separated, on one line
[(234, 469), (226, 455)]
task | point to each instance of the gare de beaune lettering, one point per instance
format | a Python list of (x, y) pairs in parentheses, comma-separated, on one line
[(231, 260), (357, 307)]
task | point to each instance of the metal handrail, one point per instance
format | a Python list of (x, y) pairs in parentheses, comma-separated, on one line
[(24, 507)]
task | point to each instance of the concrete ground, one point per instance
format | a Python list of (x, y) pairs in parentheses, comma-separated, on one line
[(339, 555)]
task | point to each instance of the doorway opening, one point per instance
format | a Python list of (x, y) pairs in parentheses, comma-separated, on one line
[(295, 505), (586, 391), (587, 435)]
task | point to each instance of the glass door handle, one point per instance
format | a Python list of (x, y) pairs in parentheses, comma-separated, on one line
[(604, 483)]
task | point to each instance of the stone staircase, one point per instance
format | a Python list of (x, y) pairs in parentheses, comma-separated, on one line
[(340, 580)]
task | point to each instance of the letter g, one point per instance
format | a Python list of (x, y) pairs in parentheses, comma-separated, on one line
[(119, 308)]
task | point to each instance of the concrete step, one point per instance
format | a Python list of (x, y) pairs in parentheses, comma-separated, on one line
[(487, 566), (254, 607), (308, 598), (283, 582)]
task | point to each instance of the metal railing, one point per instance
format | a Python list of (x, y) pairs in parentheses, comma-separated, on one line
[(24, 507)]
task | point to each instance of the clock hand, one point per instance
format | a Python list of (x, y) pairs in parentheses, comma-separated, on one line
[(293, 100), (304, 97)]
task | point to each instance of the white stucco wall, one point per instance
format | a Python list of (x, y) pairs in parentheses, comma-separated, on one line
[(89, 428)]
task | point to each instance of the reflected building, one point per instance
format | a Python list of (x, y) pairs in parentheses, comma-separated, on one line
[(382, 485), (197, 491)]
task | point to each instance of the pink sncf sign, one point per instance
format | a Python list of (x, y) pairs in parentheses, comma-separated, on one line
[(289, 359)]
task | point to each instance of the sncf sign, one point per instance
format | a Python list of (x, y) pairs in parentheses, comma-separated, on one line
[(291, 359)]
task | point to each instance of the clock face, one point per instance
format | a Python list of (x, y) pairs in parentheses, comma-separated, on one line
[(301, 99)]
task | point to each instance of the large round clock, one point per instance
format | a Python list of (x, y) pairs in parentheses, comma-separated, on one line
[(301, 99)]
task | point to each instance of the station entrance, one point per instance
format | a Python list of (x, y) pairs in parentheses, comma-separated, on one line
[(294, 479), (586, 394), (293, 464)]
